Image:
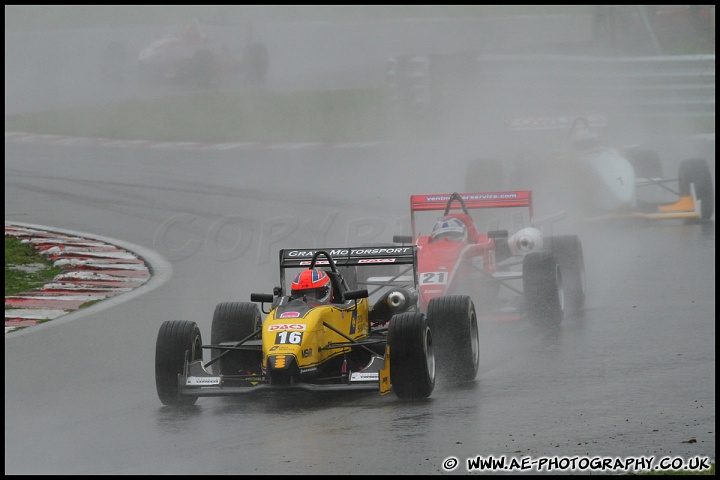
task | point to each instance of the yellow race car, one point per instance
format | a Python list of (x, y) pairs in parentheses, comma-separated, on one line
[(356, 339)]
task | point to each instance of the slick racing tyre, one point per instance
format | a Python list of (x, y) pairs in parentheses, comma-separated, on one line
[(232, 322), (697, 171), (543, 288), (454, 324), (569, 253), (174, 339), (412, 356)]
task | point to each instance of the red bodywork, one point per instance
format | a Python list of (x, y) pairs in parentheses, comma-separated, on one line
[(447, 267)]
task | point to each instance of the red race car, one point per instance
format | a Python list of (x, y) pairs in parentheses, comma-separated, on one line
[(508, 275)]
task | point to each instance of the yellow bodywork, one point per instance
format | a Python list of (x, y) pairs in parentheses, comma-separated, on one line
[(308, 335)]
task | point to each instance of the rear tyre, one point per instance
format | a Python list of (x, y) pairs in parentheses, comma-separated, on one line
[(232, 322), (174, 339), (543, 288), (454, 324), (412, 356), (569, 253), (697, 171)]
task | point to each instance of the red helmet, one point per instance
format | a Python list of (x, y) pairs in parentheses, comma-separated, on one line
[(314, 285)]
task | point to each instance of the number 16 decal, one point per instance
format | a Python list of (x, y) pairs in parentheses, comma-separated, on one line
[(294, 338)]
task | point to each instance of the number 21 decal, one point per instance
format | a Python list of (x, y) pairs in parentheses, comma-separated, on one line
[(433, 278)]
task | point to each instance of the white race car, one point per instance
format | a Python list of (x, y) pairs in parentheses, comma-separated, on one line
[(608, 182)]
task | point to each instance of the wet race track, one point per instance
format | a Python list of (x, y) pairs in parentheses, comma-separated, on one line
[(634, 376)]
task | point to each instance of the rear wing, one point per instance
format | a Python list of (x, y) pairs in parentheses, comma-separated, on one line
[(517, 198), (469, 201), (352, 256), (372, 256)]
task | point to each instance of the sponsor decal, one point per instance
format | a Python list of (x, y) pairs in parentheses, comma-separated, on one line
[(379, 251), (286, 326), (307, 353), (290, 315), (364, 376), (479, 196), (308, 370), (355, 251), (195, 381), (300, 253), (531, 123), (376, 260), (353, 322)]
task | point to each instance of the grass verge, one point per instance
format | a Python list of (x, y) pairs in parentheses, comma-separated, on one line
[(25, 269), (328, 116)]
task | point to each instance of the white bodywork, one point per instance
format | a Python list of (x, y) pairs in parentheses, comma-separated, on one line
[(612, 178)]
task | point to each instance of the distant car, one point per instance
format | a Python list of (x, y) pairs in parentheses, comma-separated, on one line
[(195, 56), (346, 344), (605, 182), (511, 271)]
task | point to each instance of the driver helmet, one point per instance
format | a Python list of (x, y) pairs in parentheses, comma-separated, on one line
[(450, 228), (313, 285)]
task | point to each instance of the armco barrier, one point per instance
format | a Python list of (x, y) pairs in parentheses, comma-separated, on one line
[(620, 87)]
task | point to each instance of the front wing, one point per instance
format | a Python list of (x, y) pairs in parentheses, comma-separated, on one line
[(198, 382)]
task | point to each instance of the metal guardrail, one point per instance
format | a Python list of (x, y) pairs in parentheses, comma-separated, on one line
[(669, 86)]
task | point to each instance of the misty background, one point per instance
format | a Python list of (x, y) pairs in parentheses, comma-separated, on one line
[(451, 76), (425, 90)]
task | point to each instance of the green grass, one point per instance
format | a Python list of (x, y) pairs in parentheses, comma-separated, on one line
[(23, 254), (329, 116)]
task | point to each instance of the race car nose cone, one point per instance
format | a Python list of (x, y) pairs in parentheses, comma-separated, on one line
[(279, 362)]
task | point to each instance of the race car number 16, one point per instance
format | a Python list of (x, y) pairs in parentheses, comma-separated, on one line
[(433, 278), (294, 338)]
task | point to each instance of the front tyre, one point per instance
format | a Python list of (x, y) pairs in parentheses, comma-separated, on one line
[(174, 339), (569, 253), (454, 323), (697, 171), (543, 288), (412, 356), (232, 322)]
